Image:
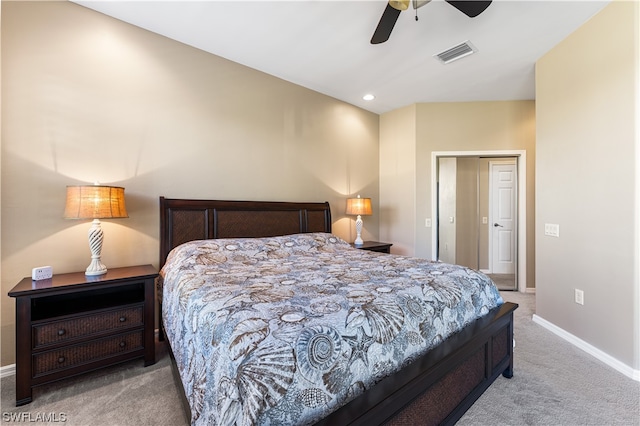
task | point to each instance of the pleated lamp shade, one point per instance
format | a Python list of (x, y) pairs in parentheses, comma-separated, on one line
[(359, 206), (95, 202)]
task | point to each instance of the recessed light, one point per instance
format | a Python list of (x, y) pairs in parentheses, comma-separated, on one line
[(368, 97)]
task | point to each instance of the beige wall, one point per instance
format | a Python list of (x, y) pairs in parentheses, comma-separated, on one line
[(466, 217), (483, 209), (397, 179), (467, 126), (586, 169), (86, 97)]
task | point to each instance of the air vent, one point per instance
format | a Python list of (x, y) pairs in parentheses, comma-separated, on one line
[(456, 52)]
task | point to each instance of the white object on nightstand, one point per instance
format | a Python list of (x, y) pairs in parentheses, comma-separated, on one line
[(41, 273)]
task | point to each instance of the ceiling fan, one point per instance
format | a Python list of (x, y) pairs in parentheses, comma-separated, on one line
[(471, 8)]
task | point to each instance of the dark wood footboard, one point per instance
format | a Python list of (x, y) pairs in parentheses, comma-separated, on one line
[(436, 389), (441, 386)]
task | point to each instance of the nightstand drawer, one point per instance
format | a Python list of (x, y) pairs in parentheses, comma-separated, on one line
[(80, 326), (71, 356)]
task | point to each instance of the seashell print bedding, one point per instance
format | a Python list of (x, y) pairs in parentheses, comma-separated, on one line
[(285, 330)]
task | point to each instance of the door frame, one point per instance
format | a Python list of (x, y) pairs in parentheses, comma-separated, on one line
[(521, 164)]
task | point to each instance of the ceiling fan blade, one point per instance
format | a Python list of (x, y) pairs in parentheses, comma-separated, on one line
[(385, 26), (470, 8)]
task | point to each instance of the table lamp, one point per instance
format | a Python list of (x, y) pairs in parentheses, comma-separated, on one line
[(360, 207), (95, 202)]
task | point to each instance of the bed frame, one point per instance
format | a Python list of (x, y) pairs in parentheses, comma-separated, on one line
[(438, 388)]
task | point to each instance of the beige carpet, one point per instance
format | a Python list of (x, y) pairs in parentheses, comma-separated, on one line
[(554, 383), (126, 394), (504, 281)]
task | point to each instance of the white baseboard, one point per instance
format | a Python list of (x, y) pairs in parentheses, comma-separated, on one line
[(7, 370), (529, 290), (591, 350)]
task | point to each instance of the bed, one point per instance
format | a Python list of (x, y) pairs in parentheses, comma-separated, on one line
[(380, 363)]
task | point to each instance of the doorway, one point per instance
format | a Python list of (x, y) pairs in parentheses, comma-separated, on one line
[(478, 202)]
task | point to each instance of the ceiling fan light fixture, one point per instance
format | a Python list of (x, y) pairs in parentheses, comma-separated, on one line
[(399, 4), (456, 52)]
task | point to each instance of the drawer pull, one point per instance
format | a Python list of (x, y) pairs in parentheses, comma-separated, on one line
[(123, 319), (123, 344), (62, 332), (61, 360)]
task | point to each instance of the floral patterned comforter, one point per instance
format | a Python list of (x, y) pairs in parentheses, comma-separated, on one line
[(285, 330)]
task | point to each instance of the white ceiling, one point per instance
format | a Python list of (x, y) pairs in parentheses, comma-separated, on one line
[(324, 45)]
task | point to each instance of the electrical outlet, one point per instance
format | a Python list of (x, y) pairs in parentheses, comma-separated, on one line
[(41, 273), (579, 297)]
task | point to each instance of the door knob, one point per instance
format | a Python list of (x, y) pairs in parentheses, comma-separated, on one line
[(495, 225)]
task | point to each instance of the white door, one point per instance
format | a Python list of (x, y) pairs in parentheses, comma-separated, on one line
[(502, 202)]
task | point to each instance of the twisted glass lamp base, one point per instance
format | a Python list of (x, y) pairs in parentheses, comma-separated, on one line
[(96, 236), (358, 241)]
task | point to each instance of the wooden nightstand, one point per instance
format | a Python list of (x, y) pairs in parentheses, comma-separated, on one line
[(375, 246), (72, 324)]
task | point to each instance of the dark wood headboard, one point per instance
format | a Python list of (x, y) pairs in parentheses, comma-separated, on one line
[(187, 220)]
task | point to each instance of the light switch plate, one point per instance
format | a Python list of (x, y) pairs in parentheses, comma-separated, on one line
[(552, 230), (41, 273)]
